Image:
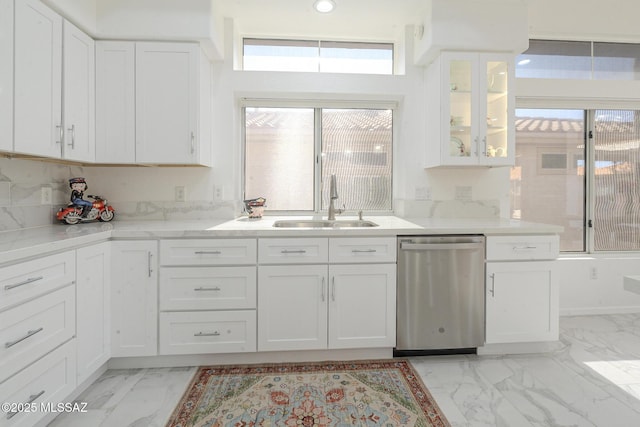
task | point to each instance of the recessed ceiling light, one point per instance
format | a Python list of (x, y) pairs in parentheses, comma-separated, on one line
[(324, 6)]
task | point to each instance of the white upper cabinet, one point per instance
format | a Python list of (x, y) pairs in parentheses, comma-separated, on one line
[(6, 74), (470, 110), (41, 74), (38, 80), (169, 115), (167, 103), (79, 94), (115, 102)]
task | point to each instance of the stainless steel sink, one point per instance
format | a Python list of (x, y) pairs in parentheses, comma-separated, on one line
[(322, 223)]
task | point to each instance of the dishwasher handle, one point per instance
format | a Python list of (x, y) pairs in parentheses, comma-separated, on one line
[(407, 246)]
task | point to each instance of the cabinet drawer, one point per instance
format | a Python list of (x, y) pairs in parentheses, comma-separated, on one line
[(207, 332), (20, 282), (367, 249), (293, 251), (506, 248), (32, 329), (207, 288), (208, 252), (49, 380)]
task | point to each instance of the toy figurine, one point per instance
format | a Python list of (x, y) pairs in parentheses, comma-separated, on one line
[(80, 209)]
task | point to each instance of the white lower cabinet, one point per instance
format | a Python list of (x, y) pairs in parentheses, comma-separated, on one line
[(362, 306), (93, 297), (292, 307), (48, 381), (310, 307), (196, 332), (207, 296), (134, 298), (30, 330), (37, 328), (522, 301)]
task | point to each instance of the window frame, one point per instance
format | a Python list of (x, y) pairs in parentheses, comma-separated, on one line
[(589, 108), (318, 105), (318, 45), (548, 48)]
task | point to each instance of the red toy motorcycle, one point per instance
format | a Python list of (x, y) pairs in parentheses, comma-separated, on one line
[(100, 210)]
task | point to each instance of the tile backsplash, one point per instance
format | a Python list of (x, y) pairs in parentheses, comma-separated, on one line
[(22, 204), (148, 194), (21, 183)]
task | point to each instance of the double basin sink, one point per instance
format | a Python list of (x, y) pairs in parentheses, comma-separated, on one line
[(322, 223)]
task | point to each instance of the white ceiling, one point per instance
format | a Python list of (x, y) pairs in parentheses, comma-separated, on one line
[(374, 20)]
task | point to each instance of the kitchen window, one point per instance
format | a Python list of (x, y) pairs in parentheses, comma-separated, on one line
[(317, 56), (580, 169), (291, 152), (581, 60)]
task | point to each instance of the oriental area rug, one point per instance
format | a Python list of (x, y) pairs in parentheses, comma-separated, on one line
[(370, 393)]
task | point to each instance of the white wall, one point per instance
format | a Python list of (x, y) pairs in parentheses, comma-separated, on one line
[(610, 20), (82, 13), (161, 20), (593, 284)]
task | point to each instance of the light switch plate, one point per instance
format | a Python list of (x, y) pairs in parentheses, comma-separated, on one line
[(46, 195)]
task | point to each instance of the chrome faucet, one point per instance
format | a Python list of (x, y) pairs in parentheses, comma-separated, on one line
[(333, 196)]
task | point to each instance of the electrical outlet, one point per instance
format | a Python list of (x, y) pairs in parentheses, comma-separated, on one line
[(593, 273), (46, 195), (180, 193), (218, 193), (423, 193), (463, 192)]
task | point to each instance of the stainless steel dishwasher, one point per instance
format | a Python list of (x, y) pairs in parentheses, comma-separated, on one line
[(440, 298)]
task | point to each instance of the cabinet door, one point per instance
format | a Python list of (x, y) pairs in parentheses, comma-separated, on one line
[(459, 109), (166, 103), (115, 102), (521, 301), (79, 94), (6, 74), (93, 308), (38, 80), (362, 306), (475, 105), (497, 105), (134, 298), (292, 307)]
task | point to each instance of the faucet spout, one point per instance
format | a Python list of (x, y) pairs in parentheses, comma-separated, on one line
[(333, 195)]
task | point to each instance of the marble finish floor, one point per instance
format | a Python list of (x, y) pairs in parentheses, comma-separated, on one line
[(593, 379)]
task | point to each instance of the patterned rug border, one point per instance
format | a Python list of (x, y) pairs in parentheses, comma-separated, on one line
[(418, 389)]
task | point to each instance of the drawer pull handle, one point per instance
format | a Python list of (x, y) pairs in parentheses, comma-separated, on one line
[(32, 398), (29, 334), (206, 289), (207, 334), (289, 251), (24, 282), (208, 252), (524, 248), (355, 251)]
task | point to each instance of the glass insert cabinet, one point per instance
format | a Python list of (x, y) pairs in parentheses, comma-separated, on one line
[(470, 110)]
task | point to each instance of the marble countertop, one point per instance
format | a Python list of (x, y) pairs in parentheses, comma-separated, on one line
[(33, 242)]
